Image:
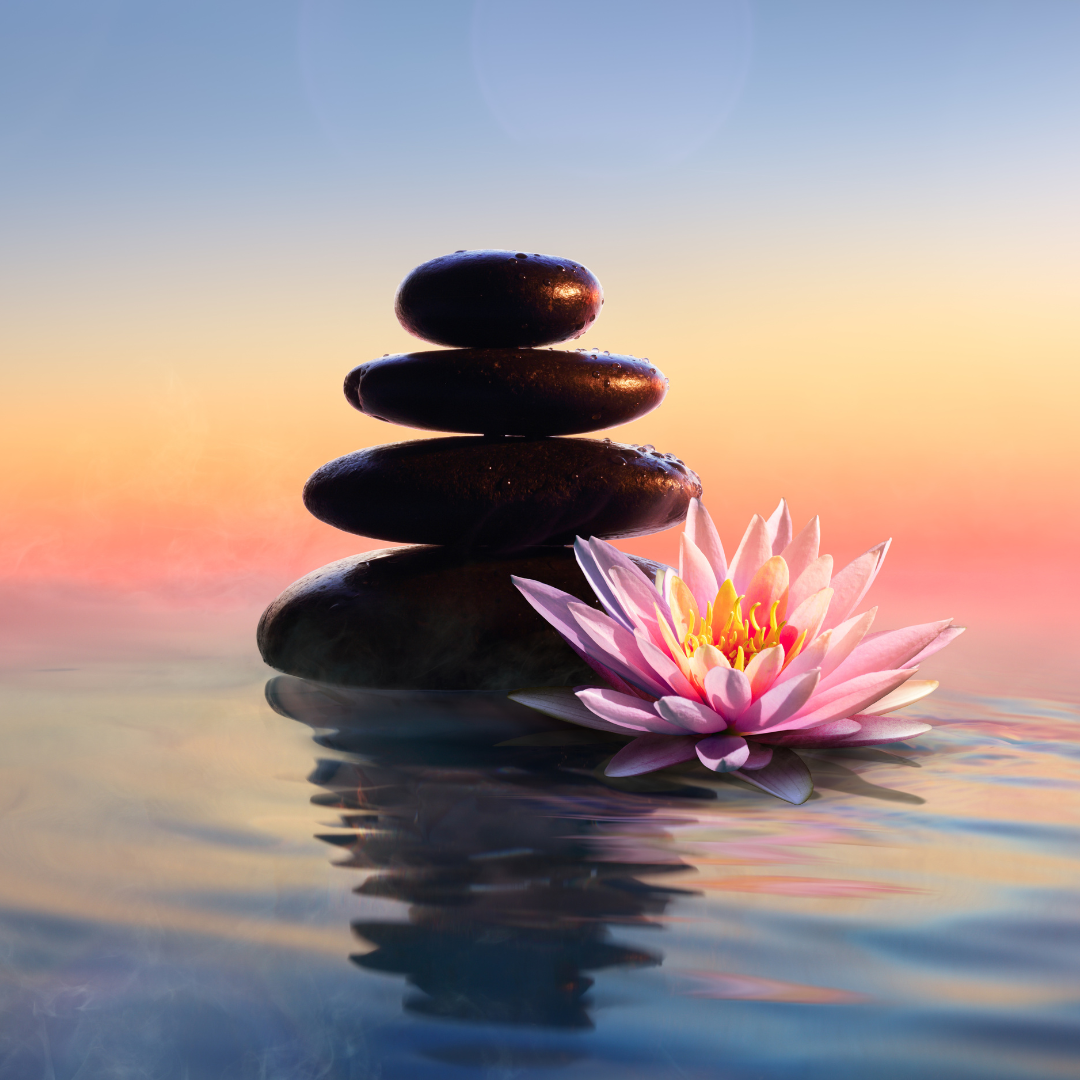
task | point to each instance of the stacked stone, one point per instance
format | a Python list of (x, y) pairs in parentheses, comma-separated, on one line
[(505, 499)]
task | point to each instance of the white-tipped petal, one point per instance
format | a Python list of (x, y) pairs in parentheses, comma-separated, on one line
[(779, 526), (912, 691), (754, 549), (702, 532), (803, 549), (851, 584)]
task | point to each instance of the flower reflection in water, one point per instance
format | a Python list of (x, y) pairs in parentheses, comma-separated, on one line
[(492, 823)]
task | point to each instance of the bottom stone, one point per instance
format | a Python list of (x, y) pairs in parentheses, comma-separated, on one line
[(425, 618)]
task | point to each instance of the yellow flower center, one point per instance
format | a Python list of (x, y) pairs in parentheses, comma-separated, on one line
[(726, 628), (736, 635)]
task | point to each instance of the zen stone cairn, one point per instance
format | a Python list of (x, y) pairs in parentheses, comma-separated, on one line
[(504, 497)]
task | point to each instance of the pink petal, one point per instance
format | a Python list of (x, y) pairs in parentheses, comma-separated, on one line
[(938, 644), (786, 777), (850, 584), (813, 579), (563, 703), (775, 708), (754, 549), (803, 550), (811, 657), (650, 752), (639, 599), (625, 711), (908, 694), (696, 572), (599, 583), (702, 532), (888, 651), (810, 614), (615, 648), (553, 605), (666, 670), (723, 753), (779, 526), (690, 715), (766, 587), (875, 729), (844, 638), (823, 735), (609, 558), (763, 669), (851, 697), (727, 691), (760, 756)]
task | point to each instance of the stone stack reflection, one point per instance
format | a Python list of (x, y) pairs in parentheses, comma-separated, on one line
[(513, 858), (506, 497)]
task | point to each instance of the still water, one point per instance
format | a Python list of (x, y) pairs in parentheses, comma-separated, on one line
[(212, 872)]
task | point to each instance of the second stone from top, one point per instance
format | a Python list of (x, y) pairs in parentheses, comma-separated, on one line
[(506, 391), (498, 299)]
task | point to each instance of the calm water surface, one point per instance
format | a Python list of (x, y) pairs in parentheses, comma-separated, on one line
[(198, 886)]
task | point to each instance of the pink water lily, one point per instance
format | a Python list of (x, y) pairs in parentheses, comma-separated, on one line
[(736, 663)]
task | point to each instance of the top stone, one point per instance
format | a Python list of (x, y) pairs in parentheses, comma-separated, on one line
[(498, 299)]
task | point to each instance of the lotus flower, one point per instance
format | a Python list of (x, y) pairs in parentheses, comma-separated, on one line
[(736, 663)]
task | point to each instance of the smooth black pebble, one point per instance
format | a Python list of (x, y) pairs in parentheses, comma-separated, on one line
[(503, 494), (498, 299), (506, 391), (427, 619)]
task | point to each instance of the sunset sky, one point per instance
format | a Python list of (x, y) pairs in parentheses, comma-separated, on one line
[(847, 232)]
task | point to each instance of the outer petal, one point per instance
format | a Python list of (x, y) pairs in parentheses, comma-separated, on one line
[(763, 669), (702, 532), (851, 697), (625, 712), (779, 526), (553, 605), (803, 550), (938, 643), (875, 729), (776, 708), (908, 694), (563, 703), (615, 648), (813, 579), (844, 639), (824, 735), (639, 599), (728, 692), (760, 756), (754, 549), (810, 614), (666, 669), (786, 777), (649, 753), (811, 657), (890, 650), (850, 584), (691, 716), (695, 570), (608, 558), (723, 753), (599, 583)]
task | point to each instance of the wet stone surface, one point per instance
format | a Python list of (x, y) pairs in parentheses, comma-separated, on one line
[(426, 619), (503, 494), (498, 299), (506, 391)]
